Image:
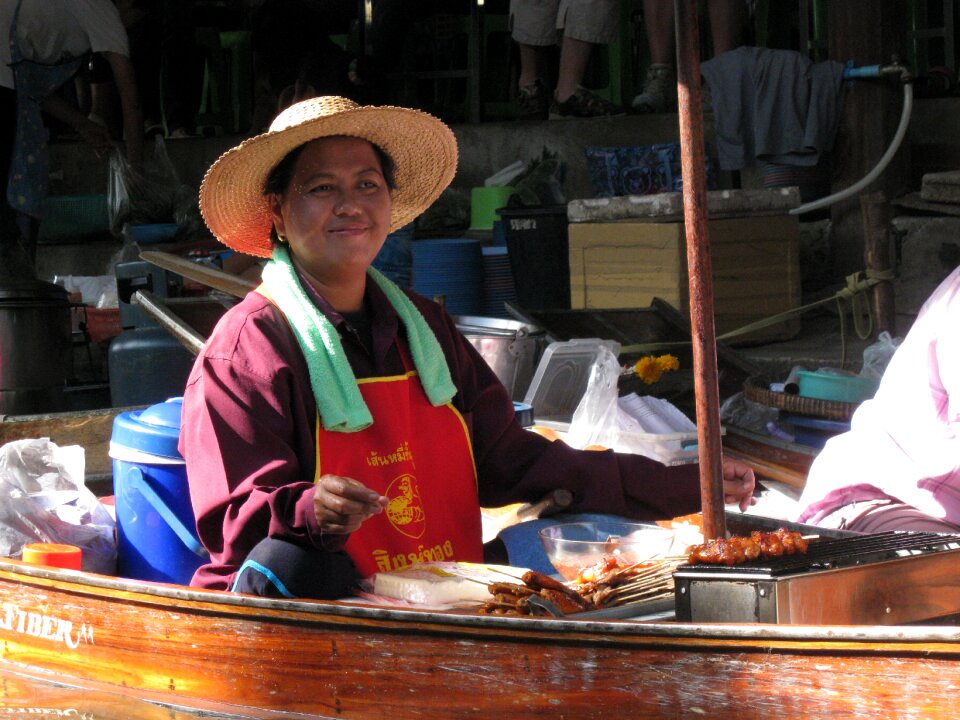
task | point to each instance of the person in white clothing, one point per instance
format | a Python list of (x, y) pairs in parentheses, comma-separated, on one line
[(49, 41), (898, 467)]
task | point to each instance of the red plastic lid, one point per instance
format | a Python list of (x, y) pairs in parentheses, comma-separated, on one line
[(53, 554)]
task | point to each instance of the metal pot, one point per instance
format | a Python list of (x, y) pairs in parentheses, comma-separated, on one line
[(35, 346), (512, 349)]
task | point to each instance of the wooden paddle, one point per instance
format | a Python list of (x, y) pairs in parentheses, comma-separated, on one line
[(168, 320), (204, 274)]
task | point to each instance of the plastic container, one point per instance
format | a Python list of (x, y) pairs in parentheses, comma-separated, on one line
[(451, 268), (539, 247), (146, 365), (524, 414), (101, 324), (484, 204), (73, 219), (156, 530), (512, 349), (571, 547), (53, 555), (498, 287), (395, 259), (840, 388), (810, 431), (561, 379), (148, 234)]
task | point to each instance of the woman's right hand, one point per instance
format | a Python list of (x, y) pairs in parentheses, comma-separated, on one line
[(342, 504)]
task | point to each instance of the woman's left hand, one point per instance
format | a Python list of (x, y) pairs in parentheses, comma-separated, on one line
[(738, 483)]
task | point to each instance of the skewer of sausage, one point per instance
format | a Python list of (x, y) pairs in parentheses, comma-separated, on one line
[(548, 587), (735, 550)]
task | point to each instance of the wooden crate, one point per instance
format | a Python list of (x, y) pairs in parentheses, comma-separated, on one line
[(756, 269)]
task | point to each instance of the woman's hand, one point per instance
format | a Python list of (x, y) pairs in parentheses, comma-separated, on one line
[(342, 504), (738, 483)]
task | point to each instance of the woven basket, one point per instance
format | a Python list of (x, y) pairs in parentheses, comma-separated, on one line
[(756, 389)]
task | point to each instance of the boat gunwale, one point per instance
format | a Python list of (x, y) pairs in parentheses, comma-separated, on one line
[(924, 639)]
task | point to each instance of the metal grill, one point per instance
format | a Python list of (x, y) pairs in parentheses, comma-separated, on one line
[(836, 553), (881, 579)]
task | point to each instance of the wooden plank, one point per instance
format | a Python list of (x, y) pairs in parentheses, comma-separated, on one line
[(755, 264), (668, 207), (766, 470), (770, 458), (90, 429)]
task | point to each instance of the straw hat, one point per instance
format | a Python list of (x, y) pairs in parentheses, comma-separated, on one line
[(423, 149)]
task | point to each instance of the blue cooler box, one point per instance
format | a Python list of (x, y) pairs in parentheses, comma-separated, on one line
[(156, 529)]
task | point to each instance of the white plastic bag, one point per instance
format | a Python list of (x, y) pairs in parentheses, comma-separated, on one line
[(595, 422), (877, 356), (43, 499)]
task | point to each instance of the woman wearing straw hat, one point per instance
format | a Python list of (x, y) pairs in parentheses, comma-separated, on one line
[(334, 425)]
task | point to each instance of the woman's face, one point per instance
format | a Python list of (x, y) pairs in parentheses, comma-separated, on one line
[(335, 213)]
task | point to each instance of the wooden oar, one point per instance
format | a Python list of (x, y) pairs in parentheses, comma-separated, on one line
[(204, 274), (184, 334)]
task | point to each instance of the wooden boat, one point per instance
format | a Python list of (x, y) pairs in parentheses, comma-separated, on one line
[(286, 659), (264, 658), (114, 640)]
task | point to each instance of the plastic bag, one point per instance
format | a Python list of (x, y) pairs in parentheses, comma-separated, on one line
[(740, 412), (541, 183), (877, 356), (638, 425), (43, 499), (145, 196), (640, 170), (595, 421)]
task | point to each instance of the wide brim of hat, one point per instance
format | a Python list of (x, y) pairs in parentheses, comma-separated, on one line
[(422, 147)]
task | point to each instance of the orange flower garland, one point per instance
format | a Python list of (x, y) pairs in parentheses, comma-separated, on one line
[(650, 368)]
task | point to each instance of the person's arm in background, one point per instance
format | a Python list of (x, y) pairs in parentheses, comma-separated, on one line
[(93, 133), (126, 82)]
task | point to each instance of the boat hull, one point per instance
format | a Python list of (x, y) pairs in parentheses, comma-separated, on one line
[(261, 658)]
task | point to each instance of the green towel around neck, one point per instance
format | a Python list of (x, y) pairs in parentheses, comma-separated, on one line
[(339, 402)]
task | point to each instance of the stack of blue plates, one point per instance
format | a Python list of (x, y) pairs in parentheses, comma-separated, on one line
[(451, 268), (394, 259), (497, 281)]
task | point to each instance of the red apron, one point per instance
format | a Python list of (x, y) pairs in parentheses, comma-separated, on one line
[(419, 457)]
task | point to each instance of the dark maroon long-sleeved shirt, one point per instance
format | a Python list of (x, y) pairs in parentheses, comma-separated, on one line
[(249, 435)]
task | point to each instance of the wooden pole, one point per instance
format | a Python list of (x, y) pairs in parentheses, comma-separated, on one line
[(876, 257), (699, 268)]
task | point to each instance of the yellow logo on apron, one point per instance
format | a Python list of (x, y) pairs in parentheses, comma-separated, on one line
[(404, 507)]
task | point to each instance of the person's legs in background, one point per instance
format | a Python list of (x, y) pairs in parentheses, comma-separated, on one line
[(660, 86), (728, 22), (586, 24), (533, 28), (727, 27)]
